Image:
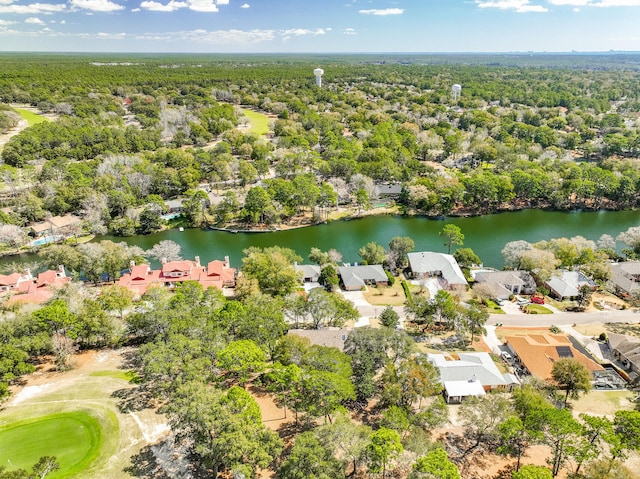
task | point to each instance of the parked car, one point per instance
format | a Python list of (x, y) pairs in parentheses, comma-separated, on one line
[(499, 302), (537, 299), (506, 356), (522, 301)]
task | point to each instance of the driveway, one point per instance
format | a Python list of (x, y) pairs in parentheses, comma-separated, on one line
[(368, 310)]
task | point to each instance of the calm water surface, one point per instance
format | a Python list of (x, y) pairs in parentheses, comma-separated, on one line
[(486, 235)]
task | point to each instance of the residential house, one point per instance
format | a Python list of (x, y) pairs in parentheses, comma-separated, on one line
[(310, 272), (625, 349), (40, 289), (442, 266), (388, 190), (472, 374), (56, 226), (568, 284), (329, 337), (12, 281), (536, 353), (625, 277), (217, 274), (354, 278), (503, 284)]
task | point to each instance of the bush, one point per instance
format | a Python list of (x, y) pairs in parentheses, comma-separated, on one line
[(390, 277), (405, 287), (555, 329), (603, 336)]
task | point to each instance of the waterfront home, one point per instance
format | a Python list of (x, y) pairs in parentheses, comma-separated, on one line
[(310, 272), (625, 277), (355, 278), (11, 281), (503, 284), (40, 289), (567, 284), (217, 274), (56, 226), (443, 267)]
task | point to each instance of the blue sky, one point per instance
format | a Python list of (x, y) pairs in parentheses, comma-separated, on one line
[(255, 26)]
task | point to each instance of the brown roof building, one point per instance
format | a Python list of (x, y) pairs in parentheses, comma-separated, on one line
[(538, 352)]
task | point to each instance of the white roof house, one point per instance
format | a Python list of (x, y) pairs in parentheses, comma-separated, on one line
[(456, 391), (471, 368), (429, 264)]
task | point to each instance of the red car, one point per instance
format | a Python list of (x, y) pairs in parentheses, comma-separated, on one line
[(537, 299)]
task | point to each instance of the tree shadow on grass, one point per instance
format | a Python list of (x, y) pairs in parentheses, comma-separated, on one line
[(134, 399)]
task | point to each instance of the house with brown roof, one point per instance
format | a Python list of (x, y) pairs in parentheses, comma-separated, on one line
[(56, 225), (217, 274), (625, 349), (536, 353)]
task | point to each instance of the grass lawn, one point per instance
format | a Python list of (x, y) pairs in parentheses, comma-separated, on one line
[(31, 117), (602, 402), (537, 309), (385, 295), (259, 122), (129, 376), (74, 438)]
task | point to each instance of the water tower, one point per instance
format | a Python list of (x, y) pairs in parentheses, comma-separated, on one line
[(318, 72), (456, 90)]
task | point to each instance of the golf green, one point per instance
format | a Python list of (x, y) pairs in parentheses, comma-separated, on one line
[(74, 438)]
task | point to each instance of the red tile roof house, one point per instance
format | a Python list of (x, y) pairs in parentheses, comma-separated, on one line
[(41, 289), (11, 281), (217, 274)]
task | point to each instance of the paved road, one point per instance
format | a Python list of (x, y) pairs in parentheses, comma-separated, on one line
[(561, 318)]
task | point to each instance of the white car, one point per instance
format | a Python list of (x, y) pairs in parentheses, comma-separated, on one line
[(506, 356)]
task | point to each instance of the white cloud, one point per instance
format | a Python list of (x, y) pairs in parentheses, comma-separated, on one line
[(349, 31), (6, 22), (33, 8), (96, 5), (520, 6), (203, 6), (245, 5), (575, 3), (207, 6), (34, 20), (135, 10), (298, 32), (382, 11), (159, 7)]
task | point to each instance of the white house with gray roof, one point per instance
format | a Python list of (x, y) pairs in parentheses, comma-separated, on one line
[(505, 283), (354, 278), (468, 372), (426, 264), (625, 277), (568, 284), (310, 272)]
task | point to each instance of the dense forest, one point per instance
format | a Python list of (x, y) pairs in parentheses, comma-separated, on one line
[(132, 132)]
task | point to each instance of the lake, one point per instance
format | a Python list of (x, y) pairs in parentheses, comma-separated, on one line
[(486, 235)]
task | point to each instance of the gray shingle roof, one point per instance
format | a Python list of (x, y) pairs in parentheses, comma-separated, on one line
[(624, 275), (358, 276), (568, 284)]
